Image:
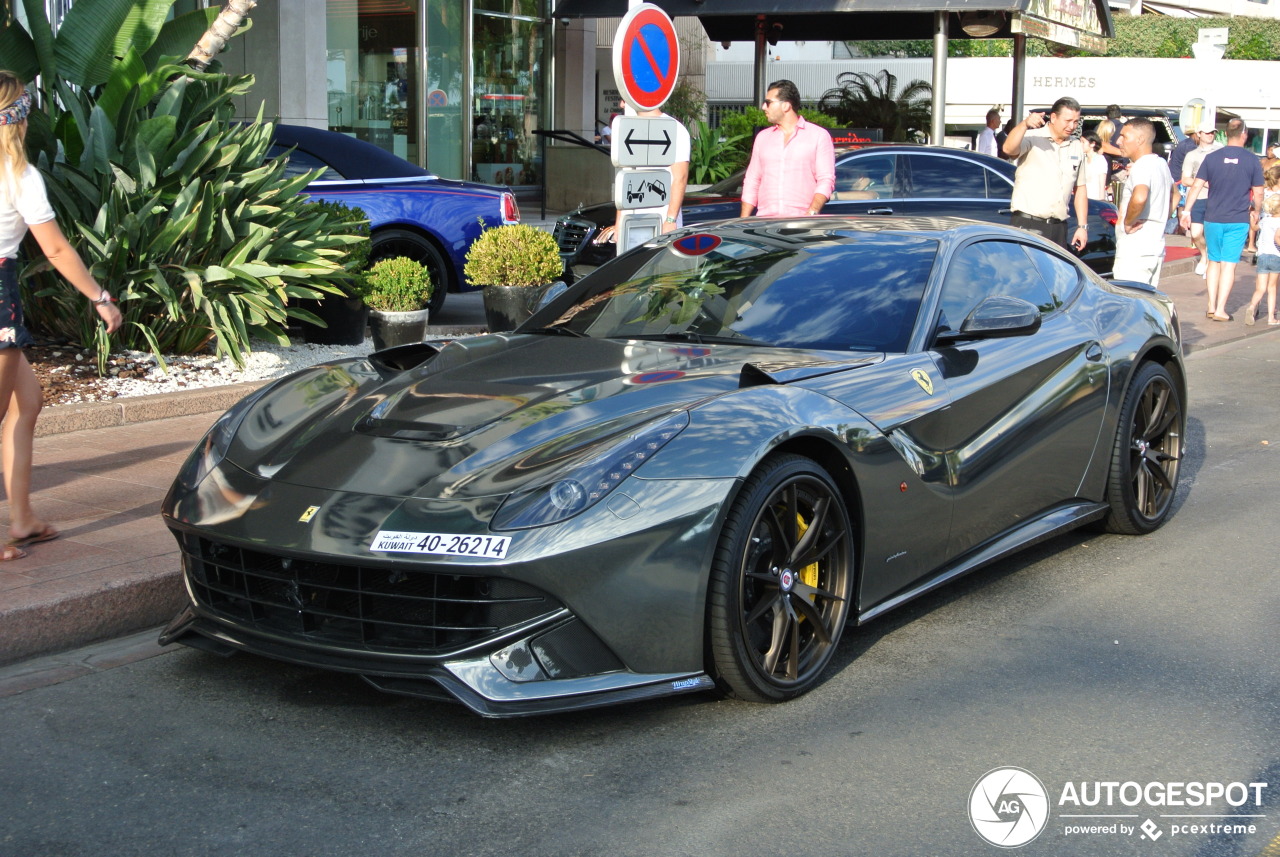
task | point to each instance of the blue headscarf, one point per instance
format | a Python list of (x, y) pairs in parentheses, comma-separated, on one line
[(17, 111)]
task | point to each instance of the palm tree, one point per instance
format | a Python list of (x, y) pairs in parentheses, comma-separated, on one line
[(865, 100), (229, 20)]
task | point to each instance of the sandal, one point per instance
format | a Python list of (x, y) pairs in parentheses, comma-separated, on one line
[(1250, 313), (8, 553), (47, 533), (1216, 317)]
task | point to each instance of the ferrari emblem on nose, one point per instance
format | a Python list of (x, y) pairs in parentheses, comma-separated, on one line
[(923, 379), (309, 514)]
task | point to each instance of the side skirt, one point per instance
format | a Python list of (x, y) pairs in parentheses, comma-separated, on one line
[(1053, 523)]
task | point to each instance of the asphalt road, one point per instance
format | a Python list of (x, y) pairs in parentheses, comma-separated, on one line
[(1093, 658)]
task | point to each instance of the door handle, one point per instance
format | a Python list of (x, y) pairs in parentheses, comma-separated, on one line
[(1005, 211), (879, 211), (1093, 353)]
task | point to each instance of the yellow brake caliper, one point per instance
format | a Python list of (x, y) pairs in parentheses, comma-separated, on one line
[(809, 574)]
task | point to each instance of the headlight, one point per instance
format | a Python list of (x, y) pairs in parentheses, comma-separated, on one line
[(214, 445), (574, 490)]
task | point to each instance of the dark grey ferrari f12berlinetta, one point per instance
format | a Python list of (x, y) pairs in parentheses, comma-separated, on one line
[(689, 471)]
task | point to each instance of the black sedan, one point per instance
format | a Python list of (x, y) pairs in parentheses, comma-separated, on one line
[(881, 180), (411, 211), (689, 471)]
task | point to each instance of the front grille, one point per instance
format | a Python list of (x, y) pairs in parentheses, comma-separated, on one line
[(570, 235), (394, 610)]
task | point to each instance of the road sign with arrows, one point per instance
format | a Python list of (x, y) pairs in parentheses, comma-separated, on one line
[(637, 141)]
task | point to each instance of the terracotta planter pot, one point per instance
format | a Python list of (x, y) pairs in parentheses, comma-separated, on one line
[(346, 318), (506, 307), (397, 328)]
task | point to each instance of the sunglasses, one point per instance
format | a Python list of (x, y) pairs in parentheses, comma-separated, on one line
[(769, 101)]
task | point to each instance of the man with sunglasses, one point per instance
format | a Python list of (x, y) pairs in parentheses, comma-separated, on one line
[(793, 164)]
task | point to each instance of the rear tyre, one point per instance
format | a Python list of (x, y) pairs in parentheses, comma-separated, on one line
[(1147, 453), (781, 583), (386, 243)]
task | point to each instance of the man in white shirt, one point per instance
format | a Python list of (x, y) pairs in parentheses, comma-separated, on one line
[(987, 139), (1144, 206)]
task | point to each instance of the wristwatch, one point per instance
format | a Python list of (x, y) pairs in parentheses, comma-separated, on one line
[(104, 298), (668, 219)]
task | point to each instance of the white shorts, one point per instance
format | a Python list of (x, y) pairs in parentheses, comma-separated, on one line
[(1144, 269)]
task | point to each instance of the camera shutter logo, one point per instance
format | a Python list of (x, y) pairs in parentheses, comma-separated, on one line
[(1008, 807)]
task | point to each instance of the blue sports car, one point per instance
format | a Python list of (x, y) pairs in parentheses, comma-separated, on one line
[(411, 211)]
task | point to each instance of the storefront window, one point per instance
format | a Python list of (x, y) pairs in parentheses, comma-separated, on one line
[(507, 85), (372, 72), (446, 68)]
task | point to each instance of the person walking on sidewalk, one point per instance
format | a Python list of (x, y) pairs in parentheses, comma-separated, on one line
[(1208, 137), (24, 206), (1233, 176), (1050, 171), (1268, 261), (793, 164), (1144, 206)]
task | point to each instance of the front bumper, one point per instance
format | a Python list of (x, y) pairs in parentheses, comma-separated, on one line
[(510, 682), (603, 608)]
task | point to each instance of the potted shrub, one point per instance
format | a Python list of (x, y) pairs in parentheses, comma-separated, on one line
[(343, 317), (510, 262), (396, 291)]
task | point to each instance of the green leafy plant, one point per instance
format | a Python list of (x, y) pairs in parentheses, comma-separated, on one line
[(741, 127), (711, 158), (515, 255), (173, 206), (396, 284)]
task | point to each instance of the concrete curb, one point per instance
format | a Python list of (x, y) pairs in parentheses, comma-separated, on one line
[(59, 419)]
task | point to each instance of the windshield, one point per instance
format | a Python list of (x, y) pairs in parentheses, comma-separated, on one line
[(772, 285)]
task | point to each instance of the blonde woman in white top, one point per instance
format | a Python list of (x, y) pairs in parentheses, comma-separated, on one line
[(1095, 169), (24, 206)]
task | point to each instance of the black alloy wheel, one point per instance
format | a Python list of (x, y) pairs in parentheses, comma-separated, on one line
[(1148, 450), (781, 583), (386, 243)]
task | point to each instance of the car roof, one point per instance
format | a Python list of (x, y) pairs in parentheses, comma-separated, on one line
[(352, 157)]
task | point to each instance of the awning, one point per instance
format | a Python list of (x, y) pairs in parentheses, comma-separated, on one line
[(828, 20)]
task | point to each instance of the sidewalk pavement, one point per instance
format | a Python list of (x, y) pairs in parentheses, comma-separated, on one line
[(102, 470)]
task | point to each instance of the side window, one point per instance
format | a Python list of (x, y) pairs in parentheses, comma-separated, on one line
[(989, 268), (1062, 277), (869, 177), (300, 162), (939, 177)]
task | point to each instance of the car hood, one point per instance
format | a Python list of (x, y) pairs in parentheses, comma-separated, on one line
[(490, 414)]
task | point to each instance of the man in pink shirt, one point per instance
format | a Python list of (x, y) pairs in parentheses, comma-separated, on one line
[(793, 164)]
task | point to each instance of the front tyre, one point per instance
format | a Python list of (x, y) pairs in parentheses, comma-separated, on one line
[(781, 582), (1148, 450)]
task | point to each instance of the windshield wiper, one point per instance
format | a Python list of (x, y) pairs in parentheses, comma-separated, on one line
[(699, 338), (557, 331)]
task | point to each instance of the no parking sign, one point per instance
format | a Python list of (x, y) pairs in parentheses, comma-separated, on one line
[(646, 57)]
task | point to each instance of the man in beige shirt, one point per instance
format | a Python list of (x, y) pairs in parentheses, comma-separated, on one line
[(1050, 170)]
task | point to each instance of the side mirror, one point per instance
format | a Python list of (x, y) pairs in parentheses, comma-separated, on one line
[(996, 317), (549, 293)]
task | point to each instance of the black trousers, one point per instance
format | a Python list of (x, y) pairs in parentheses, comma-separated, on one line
[(1054, 230)]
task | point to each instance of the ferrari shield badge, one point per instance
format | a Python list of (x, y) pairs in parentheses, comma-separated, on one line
[(923, 379), (309, 514)]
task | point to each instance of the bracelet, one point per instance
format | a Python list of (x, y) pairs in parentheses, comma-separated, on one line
[(104, 298), (668, 219)]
